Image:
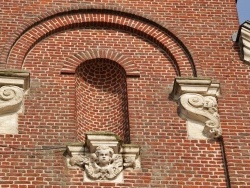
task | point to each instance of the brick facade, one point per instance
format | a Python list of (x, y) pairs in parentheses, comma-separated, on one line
[(110, 65)]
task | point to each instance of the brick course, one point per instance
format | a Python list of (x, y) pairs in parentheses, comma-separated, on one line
[(151, 42)]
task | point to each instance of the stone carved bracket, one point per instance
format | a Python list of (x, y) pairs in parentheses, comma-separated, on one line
[(13, 86), (131, 156), (197, 104), (243, 39), (103, 157)]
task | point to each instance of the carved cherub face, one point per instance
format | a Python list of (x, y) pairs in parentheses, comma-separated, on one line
[(104, 155)]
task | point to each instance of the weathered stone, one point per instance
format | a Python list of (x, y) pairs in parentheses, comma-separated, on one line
[(13, 85), (198, 106), (95, 139), (244, 41), (14, 77), (103, 157)]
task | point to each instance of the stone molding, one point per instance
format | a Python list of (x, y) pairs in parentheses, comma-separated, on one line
[(197, 104), (203, 86), (103, 157), (244, 41), (14, 77), (95, 139), (13, 86)]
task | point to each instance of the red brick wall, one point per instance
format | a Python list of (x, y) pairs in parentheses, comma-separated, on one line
[(153, 41)]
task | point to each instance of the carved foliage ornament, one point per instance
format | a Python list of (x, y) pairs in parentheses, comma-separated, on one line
[(203, 109)]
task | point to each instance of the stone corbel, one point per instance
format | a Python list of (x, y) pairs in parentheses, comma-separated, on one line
[(244, 41), (131, 156), (197, 104), (13, 86), (103, 157)]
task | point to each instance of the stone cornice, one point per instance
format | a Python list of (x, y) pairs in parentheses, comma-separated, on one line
[(13, 77), (203, 86)]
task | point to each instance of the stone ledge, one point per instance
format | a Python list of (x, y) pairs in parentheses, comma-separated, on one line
[(14, 77), (204, 86), (95, 139)]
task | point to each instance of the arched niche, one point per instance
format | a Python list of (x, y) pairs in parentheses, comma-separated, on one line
[(101, 98)]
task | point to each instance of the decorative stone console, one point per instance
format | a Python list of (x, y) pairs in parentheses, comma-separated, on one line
[(103, 157), (243, 38), (197, 104), (13, 86)]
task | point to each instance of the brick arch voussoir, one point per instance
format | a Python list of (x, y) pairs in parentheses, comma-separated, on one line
[(131, 25), (70, 65), (127, 13)]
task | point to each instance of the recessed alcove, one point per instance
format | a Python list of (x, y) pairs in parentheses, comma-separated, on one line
[(101, 98)]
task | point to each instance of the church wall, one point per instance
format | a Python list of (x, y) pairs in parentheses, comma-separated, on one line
[(148, 62)]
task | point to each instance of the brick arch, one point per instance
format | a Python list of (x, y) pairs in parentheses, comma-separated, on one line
[(74, 61), (106, 17)]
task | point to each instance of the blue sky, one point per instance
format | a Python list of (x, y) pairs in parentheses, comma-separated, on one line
[(243, 7)]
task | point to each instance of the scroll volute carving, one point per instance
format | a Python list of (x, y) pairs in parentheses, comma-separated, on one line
[(202, 109), (197, 104), (13, 86), (11, 98)]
